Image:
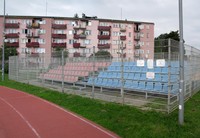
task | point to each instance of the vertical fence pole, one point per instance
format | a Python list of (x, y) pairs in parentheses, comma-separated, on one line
[(42, 69), (17, 67), (62, 60), (169, 75), (93, 72), (122, 73), (181, 59)]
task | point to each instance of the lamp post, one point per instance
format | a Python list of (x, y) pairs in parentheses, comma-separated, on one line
[(181, 60), (3, 47)]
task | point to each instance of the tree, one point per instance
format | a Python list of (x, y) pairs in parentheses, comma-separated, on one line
[(9, 51), (102, 54), (161, 43), (76, 15)]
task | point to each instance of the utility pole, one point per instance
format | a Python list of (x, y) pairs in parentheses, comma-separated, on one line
[(181, 60), (3, 47)]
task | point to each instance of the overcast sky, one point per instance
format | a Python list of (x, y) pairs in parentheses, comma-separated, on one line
[(164, 13)]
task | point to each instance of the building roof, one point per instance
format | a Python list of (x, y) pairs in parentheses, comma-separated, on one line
[(73, 18)]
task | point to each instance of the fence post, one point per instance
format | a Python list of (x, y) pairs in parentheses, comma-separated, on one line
[(62, 60), (42, 69), (93, 71), (169, 75), (17, 67), (122, 72)]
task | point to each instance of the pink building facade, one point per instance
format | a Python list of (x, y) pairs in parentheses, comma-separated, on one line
[(32, 35)]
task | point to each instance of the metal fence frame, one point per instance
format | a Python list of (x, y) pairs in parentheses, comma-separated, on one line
[(32, 69)]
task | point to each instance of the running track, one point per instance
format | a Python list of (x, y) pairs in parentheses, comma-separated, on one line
[(25, 116)]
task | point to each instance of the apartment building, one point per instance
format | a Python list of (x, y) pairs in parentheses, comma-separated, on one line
[(40, 34)]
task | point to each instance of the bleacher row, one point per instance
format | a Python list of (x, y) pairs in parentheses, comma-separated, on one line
[(135, 77), (73, 71)]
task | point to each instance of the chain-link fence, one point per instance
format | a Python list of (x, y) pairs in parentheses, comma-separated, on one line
[(146, 83)]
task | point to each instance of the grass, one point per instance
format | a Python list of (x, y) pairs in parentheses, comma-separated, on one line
[(126, 121)]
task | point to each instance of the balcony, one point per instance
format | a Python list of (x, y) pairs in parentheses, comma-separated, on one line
[(32, 44), (33, 25), (63, 45), (12, 25), (33, 35), (60, 36), (122, 29), (12, 35), (104, 28), (103, 46), (59, 26), (80, 26), (82, 46), (76, 45), (77, 54), (137, 46), (122, 37), (137, 38), (107, 37), (14, 44)]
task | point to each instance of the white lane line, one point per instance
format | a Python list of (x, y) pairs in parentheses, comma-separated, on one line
[(27, 122), (87, 122)]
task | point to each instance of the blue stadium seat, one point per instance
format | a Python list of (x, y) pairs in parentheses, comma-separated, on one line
[(149, 86), (109, 83), (131, 76), (126, 75), (165, 70), (157, 70), (115, 83), (158, 87), (141, 85), (157, 77), (128, 84), (137, 76), (134, 85), (164, 78), (143, 76)]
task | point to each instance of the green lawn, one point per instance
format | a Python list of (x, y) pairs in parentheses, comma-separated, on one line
[(126, 121)]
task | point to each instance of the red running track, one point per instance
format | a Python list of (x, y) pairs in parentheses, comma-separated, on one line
[(25, 116)]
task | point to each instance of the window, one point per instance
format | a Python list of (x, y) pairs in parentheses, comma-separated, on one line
[(58, 41), (39, 50), (59, 22), (8, 31), (88, 32), (11, 21), (71, 41), (141, 27), (71, 32), (129, 43), (104, 33), (141, 51), (141, 43), (103, 41), (116, 42), (24, 40), (141, 34), (11, 40), (116, 33), (89, 23), (103, 24), (40, 41), (59, 31), (43, 22), (116, 25), (86, 41), (148, 52), (129, 34), (148, 27), (42, 31), (25, 50), (129, 26)]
